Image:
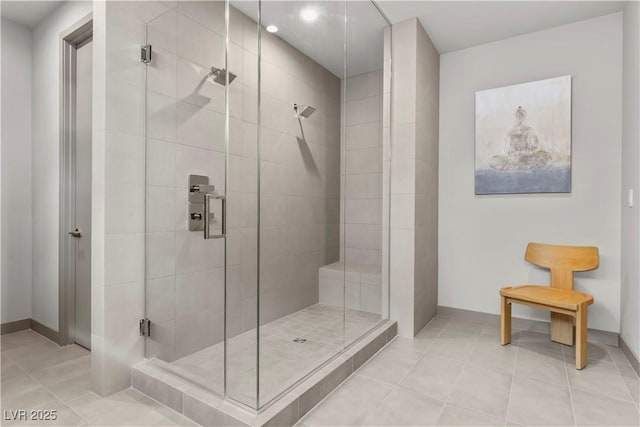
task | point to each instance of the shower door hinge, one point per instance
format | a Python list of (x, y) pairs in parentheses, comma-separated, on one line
[(145, 327), (145, 53)]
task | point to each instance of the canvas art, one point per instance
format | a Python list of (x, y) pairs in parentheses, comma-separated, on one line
[(523, 138)]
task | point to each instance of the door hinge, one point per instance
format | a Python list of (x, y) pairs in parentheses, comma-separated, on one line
[(145, 327), (145, 53)]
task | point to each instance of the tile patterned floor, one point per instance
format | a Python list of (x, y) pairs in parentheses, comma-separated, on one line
[(282, 361), (453, 373), (456, 373), (37, 374)]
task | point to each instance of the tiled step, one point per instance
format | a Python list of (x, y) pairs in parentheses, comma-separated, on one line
[(209, 409)]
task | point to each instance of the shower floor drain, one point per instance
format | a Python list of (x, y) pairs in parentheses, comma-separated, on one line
[(300, 340)]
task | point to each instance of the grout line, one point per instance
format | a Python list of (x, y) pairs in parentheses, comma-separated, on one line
[(64, 403), (606, 362), (420, 357), (617, 365), (566, 375), (362, 98), (59, 346), (464, 365), (88, 393), (513, 377), (627, 387), (444, 404), (26, 345), (346, 380), (442, 329), (144, 395), (58, 397)]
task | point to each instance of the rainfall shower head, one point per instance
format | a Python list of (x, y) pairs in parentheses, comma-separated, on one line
[(303, 111), (220, 75)]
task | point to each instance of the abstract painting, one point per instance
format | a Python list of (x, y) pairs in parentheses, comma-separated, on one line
[(523, 138)]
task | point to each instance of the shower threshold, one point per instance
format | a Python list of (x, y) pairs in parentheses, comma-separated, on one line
[(205, 406), (289, 348)]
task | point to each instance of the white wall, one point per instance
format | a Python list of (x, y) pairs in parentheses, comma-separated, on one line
[(46, 155), (483, 238), (630, 275), (16, 171)]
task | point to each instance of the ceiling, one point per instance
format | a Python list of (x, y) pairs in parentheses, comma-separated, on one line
[(452, 25), (28, 13), (323, 40), (455, 25)]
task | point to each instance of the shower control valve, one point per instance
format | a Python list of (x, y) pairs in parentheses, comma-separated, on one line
[(203, 188), (200, 215)]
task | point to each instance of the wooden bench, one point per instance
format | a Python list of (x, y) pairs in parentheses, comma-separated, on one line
[(567, 307)]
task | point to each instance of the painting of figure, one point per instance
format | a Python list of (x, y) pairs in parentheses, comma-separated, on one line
[(523, 138)]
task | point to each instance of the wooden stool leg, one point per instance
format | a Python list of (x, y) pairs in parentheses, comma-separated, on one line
[(562, 328), (581, 337), (505, 321)]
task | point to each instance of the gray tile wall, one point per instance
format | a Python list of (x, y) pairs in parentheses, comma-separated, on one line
[(362, 170), (300, 176), (414, 178), (185, 135), (426, 202), (118, 190)]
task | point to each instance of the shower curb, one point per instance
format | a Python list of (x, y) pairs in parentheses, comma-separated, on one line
[(209, 409)]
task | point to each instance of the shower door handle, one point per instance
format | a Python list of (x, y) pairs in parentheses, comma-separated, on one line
[(207, 216)]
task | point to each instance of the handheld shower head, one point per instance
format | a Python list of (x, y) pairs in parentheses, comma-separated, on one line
[(303, 111)]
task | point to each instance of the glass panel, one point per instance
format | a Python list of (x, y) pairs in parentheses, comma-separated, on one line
[(362, 177), (301, 279), (185, 135), (285, 119), (242, 240)]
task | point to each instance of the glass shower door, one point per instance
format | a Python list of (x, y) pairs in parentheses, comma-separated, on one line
[(185, 184), (243, 219), (322, 228), (301, 276)]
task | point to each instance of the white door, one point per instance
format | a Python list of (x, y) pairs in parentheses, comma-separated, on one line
[(83, 195)]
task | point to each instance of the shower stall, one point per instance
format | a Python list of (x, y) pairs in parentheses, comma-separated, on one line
[(267, 145)]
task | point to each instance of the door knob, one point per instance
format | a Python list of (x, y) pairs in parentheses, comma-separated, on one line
[(76, 233)]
